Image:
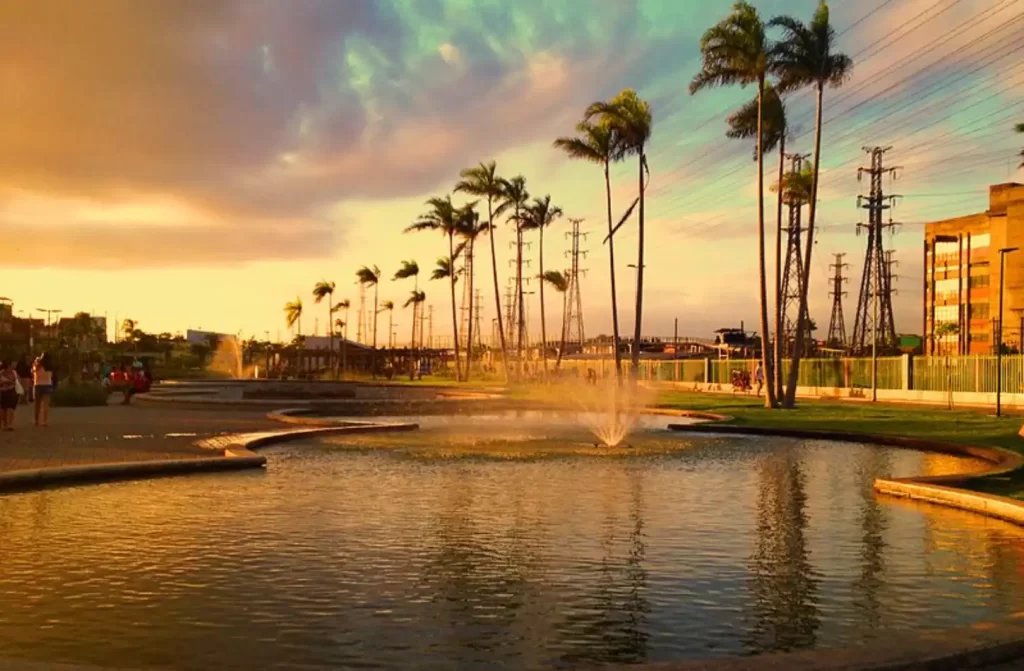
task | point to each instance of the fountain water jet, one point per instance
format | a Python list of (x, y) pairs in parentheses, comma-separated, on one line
[(607, 410), (227, 360)]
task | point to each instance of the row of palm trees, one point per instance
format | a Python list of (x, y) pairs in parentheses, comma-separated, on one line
[(739, 51)]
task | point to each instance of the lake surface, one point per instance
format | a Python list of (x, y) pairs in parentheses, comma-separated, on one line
[(497, 543)]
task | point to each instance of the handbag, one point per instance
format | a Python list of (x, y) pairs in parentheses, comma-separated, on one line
[(18, 389)]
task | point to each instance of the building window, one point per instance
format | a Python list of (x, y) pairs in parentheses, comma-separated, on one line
[(978, 281), (947, 313), (979, 337), (944, 248), (979, 310), (950, 286), (980, 241)]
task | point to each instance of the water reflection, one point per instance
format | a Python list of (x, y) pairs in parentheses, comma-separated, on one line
[(367, 557)]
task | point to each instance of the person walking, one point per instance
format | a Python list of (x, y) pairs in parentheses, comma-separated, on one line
[(759, 378), (8, 394), (42, 377), (24, 371)]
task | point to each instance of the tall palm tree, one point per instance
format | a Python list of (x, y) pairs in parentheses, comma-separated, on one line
[(560, 283), (600, 144), (343, 305), (368, 276), (483, 181), (293, 318), (443, 216), (389, 307), (774, 128), (807, 56), (737, 51), (631, 118), (128, 328), (411, 269), (325, 289), (539, 215), (514, 197), (416, 298), (469, 229)]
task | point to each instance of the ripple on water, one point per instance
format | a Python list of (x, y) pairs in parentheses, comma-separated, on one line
[(374, 552)]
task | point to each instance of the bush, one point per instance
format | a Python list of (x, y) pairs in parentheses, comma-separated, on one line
[(72, 395)]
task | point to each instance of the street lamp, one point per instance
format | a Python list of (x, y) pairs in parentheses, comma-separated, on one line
[(999, 343), (49, 313)]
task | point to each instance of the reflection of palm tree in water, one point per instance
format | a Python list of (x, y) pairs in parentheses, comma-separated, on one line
[(782, 582), (873, 524), (614, 629)]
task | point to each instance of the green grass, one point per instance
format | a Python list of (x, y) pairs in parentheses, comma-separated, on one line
[(955, 426)]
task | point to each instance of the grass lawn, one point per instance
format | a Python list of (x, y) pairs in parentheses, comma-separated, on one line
[(976, 427)]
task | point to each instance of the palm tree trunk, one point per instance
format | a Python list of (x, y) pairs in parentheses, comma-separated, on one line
[(344, 346), (330, 332), (801, 322), (497, 290), (543, 319), (373, 362), (455, 307), (611, 262), (520, 309), (638, 325), (412, 343), (779, 298), (471, 262), (766, 355)]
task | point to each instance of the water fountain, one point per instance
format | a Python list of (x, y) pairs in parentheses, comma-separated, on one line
[(227, 360), (606, 408)]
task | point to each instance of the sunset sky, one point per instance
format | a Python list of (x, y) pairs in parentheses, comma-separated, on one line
[(196, 163)]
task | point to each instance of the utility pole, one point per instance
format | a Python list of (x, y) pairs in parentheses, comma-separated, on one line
[(361, 323), (478, 303), (837, 324), (573, 319), (430, 326), (792, 274), (873, 280)]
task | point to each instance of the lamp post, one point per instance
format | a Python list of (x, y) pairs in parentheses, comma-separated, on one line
[(999, 343), (49, 313)]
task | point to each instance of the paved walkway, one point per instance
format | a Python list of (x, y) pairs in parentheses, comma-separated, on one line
[(118, 433)]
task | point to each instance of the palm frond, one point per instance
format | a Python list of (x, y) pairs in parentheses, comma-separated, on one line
[(743, 122), (557, 280), (342, 305), (623, 220), (322, 290), (408, 269), (367, 275)]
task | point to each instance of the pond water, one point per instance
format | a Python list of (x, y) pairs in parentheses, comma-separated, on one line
[(503, 542)]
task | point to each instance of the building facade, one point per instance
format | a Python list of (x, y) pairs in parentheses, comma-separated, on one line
[(962, 275)]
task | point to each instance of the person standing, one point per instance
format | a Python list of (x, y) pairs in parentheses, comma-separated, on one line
[(24, 371), (42, 377), (8, 394)]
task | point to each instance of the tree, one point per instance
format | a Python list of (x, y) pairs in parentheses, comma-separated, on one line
[(128, 328), (737, 51), (389, 307), (442, 216), (411, 269), (368, 276), (483, 182), (600, 144), (630, 117), (416, 299), (514, 197), (325, 289), (343, 335), (538, 216), (743, 125), (1020, 129), (293, 317), (469, 228), (806, 56), (560, 283)]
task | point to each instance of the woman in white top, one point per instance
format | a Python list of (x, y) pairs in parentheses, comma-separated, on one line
[(42, 377)]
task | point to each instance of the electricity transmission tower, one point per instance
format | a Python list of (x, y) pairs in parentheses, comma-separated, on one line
[(837, 325), (467, 299), (478, 303), (572, 323), (792, 274), (874, 305)]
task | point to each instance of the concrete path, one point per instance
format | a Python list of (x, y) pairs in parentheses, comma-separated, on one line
[(119, 433)]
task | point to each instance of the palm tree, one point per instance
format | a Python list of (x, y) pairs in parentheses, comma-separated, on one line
[(630, 117), (128, 328), (514, 196), (368, 276), (600, 144), (482, 181), (389, 307), (469, 230), (538, 216), (737, 51), (806, 56), (1020, 129), (411, 269), (443, 217), (343, 335), (560, 283), (293, 317), (325, 289), (408, 269), (774, 127), (416, 299)]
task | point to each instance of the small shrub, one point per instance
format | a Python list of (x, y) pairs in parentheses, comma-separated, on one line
[(71, 395)]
